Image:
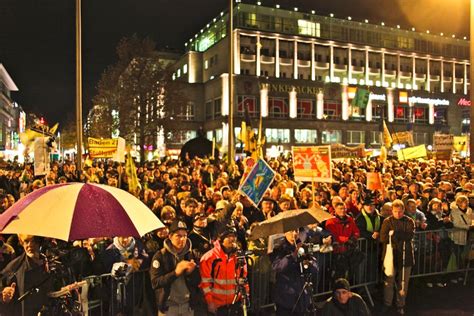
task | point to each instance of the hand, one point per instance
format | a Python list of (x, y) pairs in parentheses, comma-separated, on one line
[(423, 225), (446, 219), (375, 235), (327, 240), (390, 233), (8, 293), (191, 267), (181, 267)]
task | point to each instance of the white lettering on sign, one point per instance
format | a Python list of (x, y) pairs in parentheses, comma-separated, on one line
[(420, 100), (378, 97)]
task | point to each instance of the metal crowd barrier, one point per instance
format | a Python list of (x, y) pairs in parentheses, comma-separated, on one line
[(435, 254)]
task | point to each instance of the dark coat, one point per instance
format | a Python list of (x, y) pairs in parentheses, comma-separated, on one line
[(26, 274), (355, 306), (162, 273), (404, 232), (289, 279)]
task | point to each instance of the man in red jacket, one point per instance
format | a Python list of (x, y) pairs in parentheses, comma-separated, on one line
[(345, 234), (221, 273)]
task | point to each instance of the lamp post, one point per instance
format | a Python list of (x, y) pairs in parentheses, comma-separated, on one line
[(471, 77), (230, 143), (78, 86)]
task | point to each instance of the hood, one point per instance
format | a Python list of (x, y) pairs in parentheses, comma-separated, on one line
[(187, 248)]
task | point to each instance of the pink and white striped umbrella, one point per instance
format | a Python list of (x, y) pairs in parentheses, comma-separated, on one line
[(75, 211)]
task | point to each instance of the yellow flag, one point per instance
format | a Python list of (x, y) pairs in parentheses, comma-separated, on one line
[(131, 172), (387, 138)]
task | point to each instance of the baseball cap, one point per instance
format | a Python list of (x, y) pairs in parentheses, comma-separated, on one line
[(177, 225)]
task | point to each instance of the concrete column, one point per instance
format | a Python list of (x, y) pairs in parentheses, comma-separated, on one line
[(277, 57), (313, 70), (258, 65), (295, 60)]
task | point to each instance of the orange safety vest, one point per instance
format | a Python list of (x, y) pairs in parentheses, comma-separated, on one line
[(219, 277)]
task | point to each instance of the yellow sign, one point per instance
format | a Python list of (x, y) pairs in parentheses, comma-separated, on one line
[(412, 153), (460, 143), (102, 147)]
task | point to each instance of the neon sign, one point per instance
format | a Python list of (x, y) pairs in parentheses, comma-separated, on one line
[(419, 100), (464, 102)]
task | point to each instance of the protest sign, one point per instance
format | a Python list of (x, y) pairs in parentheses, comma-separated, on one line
[(312, 163), (257, 181), (412, 153), (374, 181), (341, 151)]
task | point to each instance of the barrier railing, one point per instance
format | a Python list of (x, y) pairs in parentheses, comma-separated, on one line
[(435, 254)]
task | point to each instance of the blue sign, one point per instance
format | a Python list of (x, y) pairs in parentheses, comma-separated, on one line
[(257, 181)]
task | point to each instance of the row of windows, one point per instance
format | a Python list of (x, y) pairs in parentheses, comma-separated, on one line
[(337, 30)]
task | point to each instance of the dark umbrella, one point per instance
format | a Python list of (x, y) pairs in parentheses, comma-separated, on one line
[(288, 220), (197, 147)]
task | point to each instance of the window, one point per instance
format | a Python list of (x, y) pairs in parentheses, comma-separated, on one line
[(186, 112), (277, 135), (401, 113), (306, 136), (249, 102), (305, 108), (309, 28), (180, 137), (378, 112), (219, 135), (209, 110), (217, 107), (185, 69), (374, 137), (332, 111), (209, 135), (440, 115), (178, 74), (206, 64), (420, 138), (331, 137), (355, 137), (278, 107), (421, 114)]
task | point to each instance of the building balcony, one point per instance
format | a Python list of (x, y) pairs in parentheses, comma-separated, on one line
[(320, 65), (390, 73), (374, 71), (434, 77), (459, 80), (286, 61), (267, 59), (247, 57), (340, 68), (420, 76), (447, 79), (404, 74), (304, 63), (358, 69)]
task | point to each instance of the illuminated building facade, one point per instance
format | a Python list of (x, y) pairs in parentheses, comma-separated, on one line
[(300, 72)]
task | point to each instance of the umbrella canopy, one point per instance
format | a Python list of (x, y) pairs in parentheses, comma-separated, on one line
[(286, 221), (75, 211)]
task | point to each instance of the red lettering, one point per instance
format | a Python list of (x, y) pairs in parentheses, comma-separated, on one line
[(464, 102)]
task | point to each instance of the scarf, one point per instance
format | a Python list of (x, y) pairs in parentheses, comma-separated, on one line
[(125, 252)]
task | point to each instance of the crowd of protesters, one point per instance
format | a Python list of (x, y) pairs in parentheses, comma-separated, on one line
[(193, 263)]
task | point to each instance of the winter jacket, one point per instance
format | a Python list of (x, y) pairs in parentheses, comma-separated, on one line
[(404, 232), (461, 221), (355, 306), (343, 230), (219, 276), (162, 273), (289, 279)]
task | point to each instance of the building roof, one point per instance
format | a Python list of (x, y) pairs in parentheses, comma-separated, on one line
[(7, 79)]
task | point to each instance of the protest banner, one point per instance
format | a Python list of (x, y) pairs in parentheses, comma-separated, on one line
[(374, 181), (443, 142), (257, 181), (41, 153), (341, 151), (102, 147), (312, 163), (403, 138), (412, 153)]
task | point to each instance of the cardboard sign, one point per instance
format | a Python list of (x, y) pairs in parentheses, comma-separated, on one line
[(341, 151), (412, 153), (312, 163), (403, 138), (102, 147), (443, 142), (374, 181)]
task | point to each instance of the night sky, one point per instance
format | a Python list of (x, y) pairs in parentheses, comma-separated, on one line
[(37, 37)]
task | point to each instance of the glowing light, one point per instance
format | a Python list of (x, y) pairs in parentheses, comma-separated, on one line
[(383, 24), (320, 105), (413, 29), (349, 18), (296, 9), (264, 100), (366, 21), (398, 26), (331, 15), (293, 107), (277, 6)]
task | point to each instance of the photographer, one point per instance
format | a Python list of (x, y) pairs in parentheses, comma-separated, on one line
[(174, 276), (293, 269)]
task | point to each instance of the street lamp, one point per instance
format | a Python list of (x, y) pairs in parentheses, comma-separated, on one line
[(471, 77), (78, 86), (230, 143)]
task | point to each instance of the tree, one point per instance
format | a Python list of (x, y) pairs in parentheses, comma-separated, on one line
[(100, 123), (140, 89)]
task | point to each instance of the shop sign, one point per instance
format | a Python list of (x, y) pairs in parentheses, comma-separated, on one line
[(464, 102), (420, 100)]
